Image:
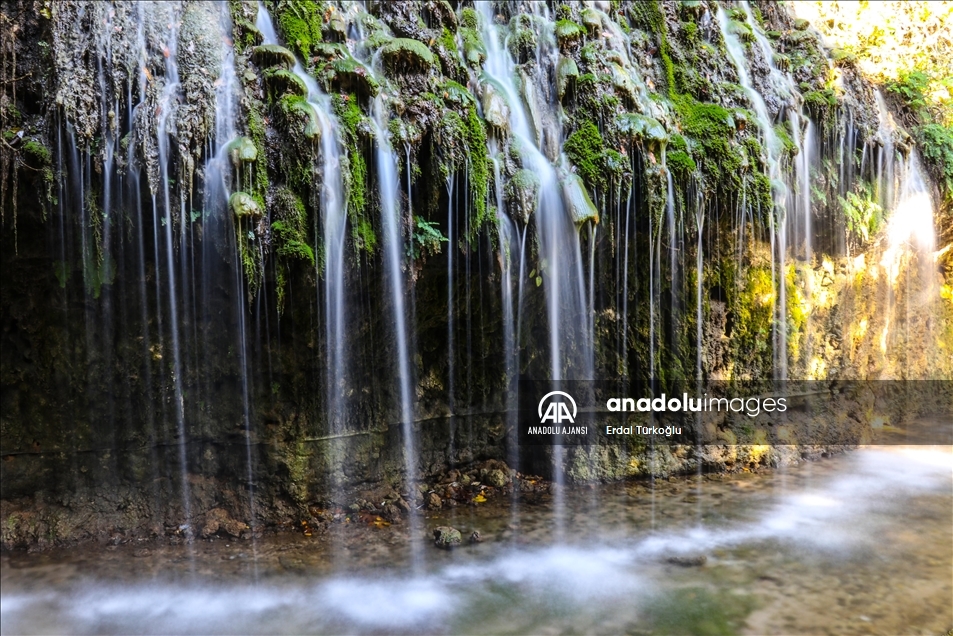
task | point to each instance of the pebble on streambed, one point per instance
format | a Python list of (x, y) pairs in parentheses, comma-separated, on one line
[(688, 561)]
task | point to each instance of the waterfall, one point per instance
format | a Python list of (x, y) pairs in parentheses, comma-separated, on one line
[(886, 156), (165, 216), (772, 148), (560, 253), (387, 176), (334, 215)]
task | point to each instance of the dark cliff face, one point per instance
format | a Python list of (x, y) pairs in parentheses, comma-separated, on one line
[(167, 283)]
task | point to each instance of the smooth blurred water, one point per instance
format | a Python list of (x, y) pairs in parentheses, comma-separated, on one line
[(859, 543)]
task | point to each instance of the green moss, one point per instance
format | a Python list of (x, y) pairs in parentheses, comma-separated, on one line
[(521, 40), (290, 242), (820, 103), (690, 29), (364, 236), (641, 128), (457, 94), (273, 55), (300, 22), (256, 130), (703, 121), (584, 149), (788, 147), (405, 54), (348, 75), (350, 118), (299, 121), (750, 300), (281, 81), (647, 16), (469, 19), (760, 193), (522, 194), (449, 44), (479, 162), (246, 34), (242, 150), (473, 48), (677, 143), (754, 149), (712, 129), (567, 32), (936, 143), (37, 154), (680, 163), (244, 205), (566, 73)]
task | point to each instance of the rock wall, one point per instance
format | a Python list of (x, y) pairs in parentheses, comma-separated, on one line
[(164, 351)]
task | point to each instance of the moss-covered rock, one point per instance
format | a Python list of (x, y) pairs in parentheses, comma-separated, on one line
[(280, 81), (474, 51), (567, 33), (522, 194), (407, 55), (641, 129), (300, 113), (446, 538), (348, 75), (242, 150), (584, 149), (566, 74), (522, 39), (578, 203), (273, 55), (470, 19), (244, 205), (300, 23), (592, 21)]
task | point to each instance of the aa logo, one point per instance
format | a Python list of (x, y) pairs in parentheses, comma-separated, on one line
[(554, 408)]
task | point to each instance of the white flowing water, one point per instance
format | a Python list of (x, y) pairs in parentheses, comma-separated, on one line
[(772, 148), (334, 216), (168, 102), (560, 254), (571, 353), (856, 544), (387, 176), (511, 253)]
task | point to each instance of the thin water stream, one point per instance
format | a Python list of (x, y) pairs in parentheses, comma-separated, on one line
[(854, 544)]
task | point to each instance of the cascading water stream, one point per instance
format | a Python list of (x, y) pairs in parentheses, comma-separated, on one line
[(334, 213), (886, 155), (387, 175), (772, 150), (558, 237), (560, 255), (217, 186), (168, 103)]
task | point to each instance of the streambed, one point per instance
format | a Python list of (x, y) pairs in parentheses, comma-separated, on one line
[(859, 543)]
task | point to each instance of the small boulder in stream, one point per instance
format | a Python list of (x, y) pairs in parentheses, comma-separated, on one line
[(446, 538)]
